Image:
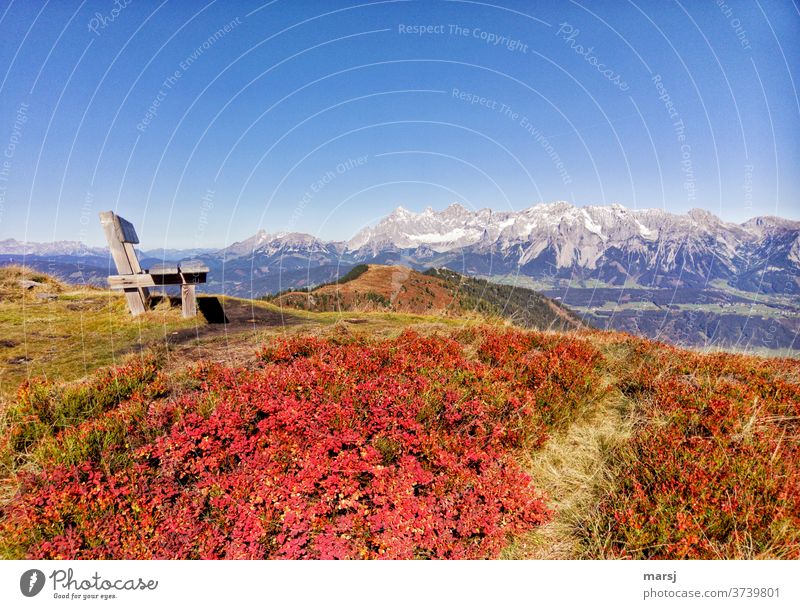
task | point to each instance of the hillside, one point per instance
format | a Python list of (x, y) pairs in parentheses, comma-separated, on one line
[(400, 289), (301, 434)]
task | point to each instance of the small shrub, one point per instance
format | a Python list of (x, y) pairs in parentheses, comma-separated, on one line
[(43, 409)]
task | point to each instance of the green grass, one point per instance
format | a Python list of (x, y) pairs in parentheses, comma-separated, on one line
[(73, 335), (43, 409)]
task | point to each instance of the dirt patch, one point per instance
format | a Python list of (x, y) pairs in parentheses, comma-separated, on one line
[(20, 360), (230, 317), (7, 344), (231, 335)]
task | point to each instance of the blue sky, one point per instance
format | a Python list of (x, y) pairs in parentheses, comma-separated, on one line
[(203, 122)]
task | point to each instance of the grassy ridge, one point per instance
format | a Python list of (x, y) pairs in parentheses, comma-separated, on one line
[(522, 306), (436, 291)]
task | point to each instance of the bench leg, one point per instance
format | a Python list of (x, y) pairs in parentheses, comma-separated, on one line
[(136, 302), (188, 300)]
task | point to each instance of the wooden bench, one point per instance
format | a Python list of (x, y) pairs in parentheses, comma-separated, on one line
[(135, 282)]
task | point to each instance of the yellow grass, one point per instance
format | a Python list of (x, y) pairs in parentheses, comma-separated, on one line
[(74, 333)]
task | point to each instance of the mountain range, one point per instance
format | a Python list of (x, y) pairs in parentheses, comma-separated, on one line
[(559, 248), (609, 244)]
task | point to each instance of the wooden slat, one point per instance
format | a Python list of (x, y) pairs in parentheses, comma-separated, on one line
[(164, 269), (125, 230), (115, 245), (130, 252), (145, 280), (119, 282), (188, 300)]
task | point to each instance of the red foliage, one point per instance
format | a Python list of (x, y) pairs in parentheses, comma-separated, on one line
[(403, 448), (716, 471)]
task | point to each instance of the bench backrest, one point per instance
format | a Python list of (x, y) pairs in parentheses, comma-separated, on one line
[(121, 237)]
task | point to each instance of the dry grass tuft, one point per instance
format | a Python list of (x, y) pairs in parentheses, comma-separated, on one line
[(13, 280), (574, 470)]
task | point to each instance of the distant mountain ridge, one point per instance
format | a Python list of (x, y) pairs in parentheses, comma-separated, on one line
[(551, 241), (690, 278), (13, 247), (608, 243)]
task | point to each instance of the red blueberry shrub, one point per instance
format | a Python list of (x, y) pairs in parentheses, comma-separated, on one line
[(404, 448), (715, 470)]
